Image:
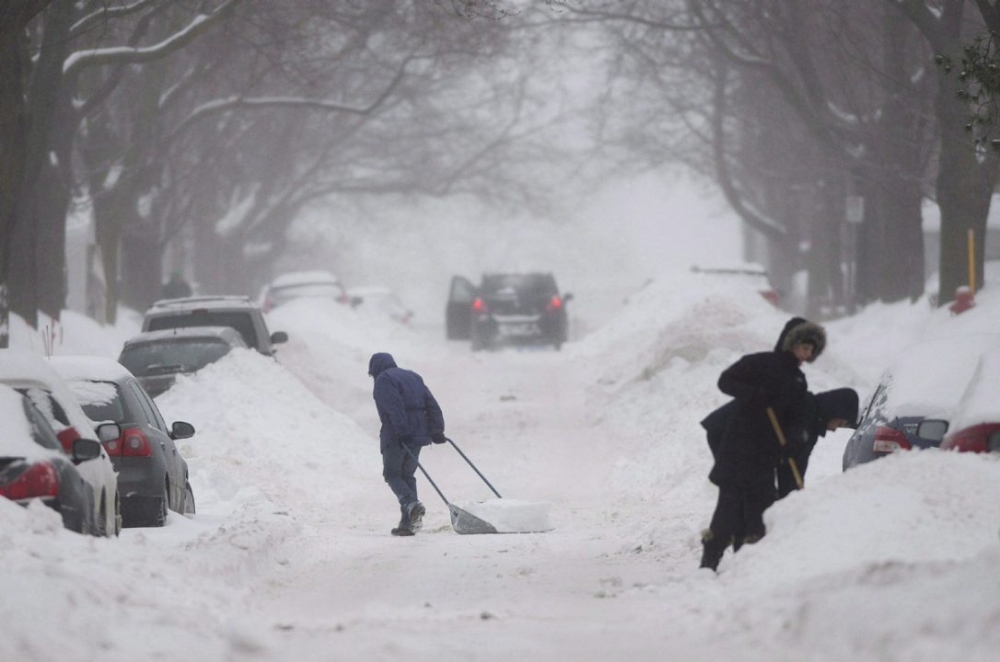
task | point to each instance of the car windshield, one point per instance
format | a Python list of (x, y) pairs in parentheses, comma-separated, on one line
[(101, 401), (241, 321), (157, 358)]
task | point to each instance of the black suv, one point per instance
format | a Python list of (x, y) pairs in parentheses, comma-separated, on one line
[(237, 312), (507, 309)]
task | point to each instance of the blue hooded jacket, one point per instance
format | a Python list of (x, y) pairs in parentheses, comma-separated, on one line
[(405, 405)]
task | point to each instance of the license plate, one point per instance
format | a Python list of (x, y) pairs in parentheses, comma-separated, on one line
[(523, 329)]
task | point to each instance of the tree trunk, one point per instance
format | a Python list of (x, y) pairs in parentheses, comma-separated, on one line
[(13, 148), (964, 188)]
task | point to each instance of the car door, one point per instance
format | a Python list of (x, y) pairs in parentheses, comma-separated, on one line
[(159, 434), (458, 314)]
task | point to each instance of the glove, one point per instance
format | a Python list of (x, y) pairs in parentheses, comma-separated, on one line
[(405, 439), (438, 437)]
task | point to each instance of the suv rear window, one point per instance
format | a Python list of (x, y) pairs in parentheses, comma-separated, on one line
[(542, 285), (241, 321)]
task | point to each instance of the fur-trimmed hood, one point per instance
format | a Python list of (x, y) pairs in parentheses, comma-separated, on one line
[(809, 333)]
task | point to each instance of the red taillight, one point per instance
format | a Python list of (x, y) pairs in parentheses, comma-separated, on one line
[(66, 437), (982, 438), (890, 440), (479, 306), (40, 480), (132, 443), (555, 303)]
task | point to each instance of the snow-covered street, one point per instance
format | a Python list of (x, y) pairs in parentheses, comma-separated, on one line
[(290, 557)]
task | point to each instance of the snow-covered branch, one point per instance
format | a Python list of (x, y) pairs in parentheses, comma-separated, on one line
[(134, 55)]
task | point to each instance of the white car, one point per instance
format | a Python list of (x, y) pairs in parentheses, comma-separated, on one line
[(303, 285), (32, 375)]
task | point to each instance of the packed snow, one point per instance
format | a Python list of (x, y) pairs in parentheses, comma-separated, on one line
[(289, 556)]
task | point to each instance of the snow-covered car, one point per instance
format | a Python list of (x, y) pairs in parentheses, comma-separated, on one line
[(928, 382), (304, 285), (33, 465), (33, 376), (381, 301), (152, 473), (157, 357), (237, 312), (975, 426)]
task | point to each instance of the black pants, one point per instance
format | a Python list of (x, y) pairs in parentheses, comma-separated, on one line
[(398, 469), (738, 518), (786, 479)]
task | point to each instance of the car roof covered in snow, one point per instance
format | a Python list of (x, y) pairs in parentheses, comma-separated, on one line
[(90, 368), (225, 333), (202, 302), (22, 369), (931, 377), (981, 401), (304, 278)]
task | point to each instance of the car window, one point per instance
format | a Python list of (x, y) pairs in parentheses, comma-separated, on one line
[(41, 431), (155, 358), (462, 291), (288, 292), (101, 401), (239, 320), (149, 411), (47, 404), (531, 284)]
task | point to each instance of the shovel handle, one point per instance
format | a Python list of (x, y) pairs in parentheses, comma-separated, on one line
[(455, 446), (781, 440), (427, 475)]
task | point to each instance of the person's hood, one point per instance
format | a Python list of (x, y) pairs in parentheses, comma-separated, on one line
[(379, 363), (789, 325), (838, 403), (809, 333)]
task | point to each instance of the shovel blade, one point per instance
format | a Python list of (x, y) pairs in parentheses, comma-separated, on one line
[(465, 522)]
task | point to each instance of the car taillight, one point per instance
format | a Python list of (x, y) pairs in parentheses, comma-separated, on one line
[(132, 443), (555, 303), (981, 438), (479, 306), (40, 480), (890, 440)]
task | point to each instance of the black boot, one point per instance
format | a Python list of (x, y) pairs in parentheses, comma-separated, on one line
[(711, 550)]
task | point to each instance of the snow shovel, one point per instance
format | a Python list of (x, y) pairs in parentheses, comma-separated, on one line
[(792, 464), (462, 521)]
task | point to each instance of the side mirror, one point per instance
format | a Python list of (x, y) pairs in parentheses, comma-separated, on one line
[(108, 432), (932, 429), (85, 449), (567, 297), (181, 430), (279, 337)]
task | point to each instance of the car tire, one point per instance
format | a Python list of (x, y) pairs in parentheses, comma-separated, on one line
[(101, 527), (118, 513), (189, 505), (161, 515)]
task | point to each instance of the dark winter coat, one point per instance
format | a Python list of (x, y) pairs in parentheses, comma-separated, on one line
[(407, 409), (749, 450)]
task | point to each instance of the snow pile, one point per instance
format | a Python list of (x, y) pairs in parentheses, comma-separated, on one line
[(511, 515)]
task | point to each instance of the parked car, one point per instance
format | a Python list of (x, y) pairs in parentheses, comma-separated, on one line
[(34, 377), (976, 423), (33, 465), (157, 357), (381, 301), (304, 284), (152, 473), (511, 309), (928, 382), (237, 312)]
